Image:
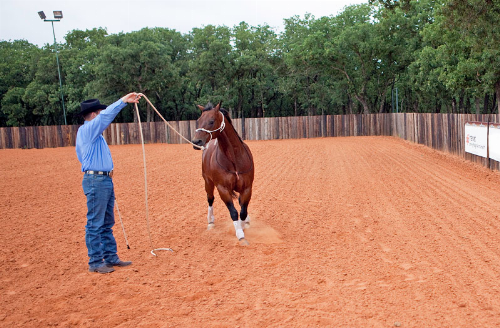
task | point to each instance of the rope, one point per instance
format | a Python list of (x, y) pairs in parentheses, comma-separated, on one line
[(121, 221), (146, 185), (164, 120)]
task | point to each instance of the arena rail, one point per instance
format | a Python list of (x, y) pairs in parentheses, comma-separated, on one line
[(444, 132)]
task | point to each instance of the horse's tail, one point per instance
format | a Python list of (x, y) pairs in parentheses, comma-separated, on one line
[(233, 194)]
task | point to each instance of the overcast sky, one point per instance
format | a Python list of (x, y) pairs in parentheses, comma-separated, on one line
[(19, 18)]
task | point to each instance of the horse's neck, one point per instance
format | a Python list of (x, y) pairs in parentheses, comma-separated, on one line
[(232, 147)]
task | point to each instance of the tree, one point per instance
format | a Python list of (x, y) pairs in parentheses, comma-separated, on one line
[(43, 95), (478, 24), (17, 70), (138, 61), (302, 77), (349, 50), (80, 53), (211, 67), (400, 43), (253, 74)]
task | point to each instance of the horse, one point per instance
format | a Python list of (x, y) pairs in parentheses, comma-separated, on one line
[(227, 164)]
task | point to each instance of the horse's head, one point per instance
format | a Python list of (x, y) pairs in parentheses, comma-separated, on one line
[(210, 124)]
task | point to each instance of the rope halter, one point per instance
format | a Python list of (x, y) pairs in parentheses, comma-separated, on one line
[(221, 128)]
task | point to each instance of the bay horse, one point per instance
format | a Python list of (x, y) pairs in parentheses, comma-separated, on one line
[(227, 164)]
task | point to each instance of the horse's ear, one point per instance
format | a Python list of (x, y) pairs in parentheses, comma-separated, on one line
[(201, 107), (218, 105)]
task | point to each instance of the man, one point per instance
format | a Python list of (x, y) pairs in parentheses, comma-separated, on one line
[(94, 154)]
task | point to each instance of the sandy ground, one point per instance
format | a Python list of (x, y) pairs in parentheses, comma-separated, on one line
[(346, 232)]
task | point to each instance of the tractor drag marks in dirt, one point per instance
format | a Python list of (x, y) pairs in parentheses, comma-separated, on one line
[(356, 231)]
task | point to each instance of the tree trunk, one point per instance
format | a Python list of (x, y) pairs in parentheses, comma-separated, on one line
[(486, 103), (382, 101), (148, 113), (461, 107), (494, 104), (364, 103), (239, 106), (497, 92), (135, 115)]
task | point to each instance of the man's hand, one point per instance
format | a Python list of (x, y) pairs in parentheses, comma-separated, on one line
[(132, 97)]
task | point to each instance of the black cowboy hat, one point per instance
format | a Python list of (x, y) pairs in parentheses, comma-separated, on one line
[(91, 105)]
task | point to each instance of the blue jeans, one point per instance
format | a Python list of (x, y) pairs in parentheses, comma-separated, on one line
[(99, 237)]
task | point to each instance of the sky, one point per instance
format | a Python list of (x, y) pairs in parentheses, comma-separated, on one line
[(19, 18)]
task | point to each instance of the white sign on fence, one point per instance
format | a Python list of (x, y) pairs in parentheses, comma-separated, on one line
[(476, 138), (494, 141)]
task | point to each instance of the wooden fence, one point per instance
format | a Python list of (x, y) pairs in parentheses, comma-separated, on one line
[(443, 132)]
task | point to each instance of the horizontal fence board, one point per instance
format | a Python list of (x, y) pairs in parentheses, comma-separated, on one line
[(444, 132)]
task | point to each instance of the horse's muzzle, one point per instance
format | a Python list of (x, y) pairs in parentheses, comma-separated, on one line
[(197, 142)]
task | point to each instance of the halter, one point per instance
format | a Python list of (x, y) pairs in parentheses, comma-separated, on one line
[(221, 127)]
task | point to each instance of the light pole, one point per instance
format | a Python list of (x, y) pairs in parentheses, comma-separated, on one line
[(58, 15)]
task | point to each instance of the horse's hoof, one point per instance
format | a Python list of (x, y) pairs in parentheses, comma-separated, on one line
[(210, 226), (243, 242)]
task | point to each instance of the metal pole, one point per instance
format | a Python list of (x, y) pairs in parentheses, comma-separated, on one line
[(59, 71)]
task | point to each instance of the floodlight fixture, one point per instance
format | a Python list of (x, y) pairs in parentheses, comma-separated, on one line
[(58, 14), (42, 15)]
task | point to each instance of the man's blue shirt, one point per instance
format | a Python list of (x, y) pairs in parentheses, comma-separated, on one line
[(91, 148)]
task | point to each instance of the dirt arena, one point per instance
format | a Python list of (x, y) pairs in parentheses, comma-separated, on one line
[(346, 232)]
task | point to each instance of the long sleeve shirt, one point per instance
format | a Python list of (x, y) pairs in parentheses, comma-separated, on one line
[(91, 148)]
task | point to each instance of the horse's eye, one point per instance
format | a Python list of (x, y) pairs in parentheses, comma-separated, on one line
[(211, 122)]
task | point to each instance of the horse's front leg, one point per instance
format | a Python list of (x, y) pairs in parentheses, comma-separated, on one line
[(228, 200), (209, 188)]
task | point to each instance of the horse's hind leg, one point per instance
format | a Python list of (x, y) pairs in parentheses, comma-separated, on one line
[(244, 200), (209, 188), (228, 200)]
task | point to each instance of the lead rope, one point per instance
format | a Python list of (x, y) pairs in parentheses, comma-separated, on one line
[(164, 120), (121, 221), (146, 187)]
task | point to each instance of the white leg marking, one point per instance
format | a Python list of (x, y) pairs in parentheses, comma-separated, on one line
[(246, 225), (239, 230), (210, 217)]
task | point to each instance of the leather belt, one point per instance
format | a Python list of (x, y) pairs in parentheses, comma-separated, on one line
[(108, 173)]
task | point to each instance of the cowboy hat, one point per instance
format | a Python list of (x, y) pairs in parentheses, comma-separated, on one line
[(91, 105)]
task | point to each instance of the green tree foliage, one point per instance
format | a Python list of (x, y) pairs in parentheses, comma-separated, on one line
[(302, 80), (251, 87), (474, 25), (436, 55), (80, 54), (211, 65), (17, 70), (142, 61), (43, 96)]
